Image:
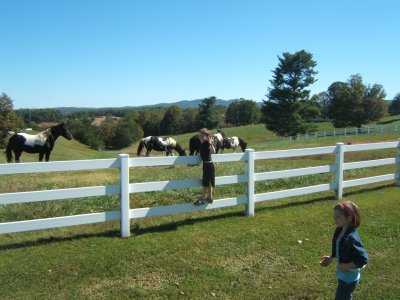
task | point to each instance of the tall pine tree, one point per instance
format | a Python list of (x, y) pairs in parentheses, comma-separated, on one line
[(208, 114), (288, 103)]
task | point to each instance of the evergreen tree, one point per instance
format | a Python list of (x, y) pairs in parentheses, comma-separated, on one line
[(172, 123), (288, 104), (394, 107), (208, 114)]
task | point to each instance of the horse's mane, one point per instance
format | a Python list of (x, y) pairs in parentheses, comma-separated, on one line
[(170, 141)]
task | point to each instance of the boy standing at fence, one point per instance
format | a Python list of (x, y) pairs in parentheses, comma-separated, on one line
[(347, 249), (208, 181)]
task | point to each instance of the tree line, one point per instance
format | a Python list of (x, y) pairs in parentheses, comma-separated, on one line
[(287, 110)]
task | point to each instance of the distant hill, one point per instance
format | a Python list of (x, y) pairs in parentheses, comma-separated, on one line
[(182, 104)]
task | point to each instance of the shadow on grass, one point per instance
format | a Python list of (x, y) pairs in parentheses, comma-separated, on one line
[(137, 230), (388, 122), (52, 239)]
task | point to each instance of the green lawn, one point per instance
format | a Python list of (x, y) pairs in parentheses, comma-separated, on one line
[(204, 255)]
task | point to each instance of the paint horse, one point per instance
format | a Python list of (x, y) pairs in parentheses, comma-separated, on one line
[(194, 144), (42, 143), (167, 144), (233, 143)]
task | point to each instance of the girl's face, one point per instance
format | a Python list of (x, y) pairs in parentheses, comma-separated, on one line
[(340, 219)]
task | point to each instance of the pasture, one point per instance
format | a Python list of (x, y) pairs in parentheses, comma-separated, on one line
[(212, 254)]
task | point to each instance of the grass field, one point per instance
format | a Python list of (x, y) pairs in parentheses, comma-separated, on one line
[(205, 255)]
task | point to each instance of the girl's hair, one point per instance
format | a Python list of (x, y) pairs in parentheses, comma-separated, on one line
[(205, 131), (349, 209)]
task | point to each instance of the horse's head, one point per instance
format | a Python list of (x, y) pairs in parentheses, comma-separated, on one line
[(61, 129)]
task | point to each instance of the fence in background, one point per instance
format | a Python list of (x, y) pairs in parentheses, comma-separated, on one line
[(123, 163), (348, 132)]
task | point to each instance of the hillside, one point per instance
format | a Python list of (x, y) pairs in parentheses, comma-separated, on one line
[(182, 104)]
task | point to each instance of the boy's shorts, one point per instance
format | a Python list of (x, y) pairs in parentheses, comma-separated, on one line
[(208, 174)]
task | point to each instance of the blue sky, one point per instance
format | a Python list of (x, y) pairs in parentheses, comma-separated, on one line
[(96, 53)]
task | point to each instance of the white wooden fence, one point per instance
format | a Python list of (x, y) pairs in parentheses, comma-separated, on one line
[(124, 188), (348, 132)]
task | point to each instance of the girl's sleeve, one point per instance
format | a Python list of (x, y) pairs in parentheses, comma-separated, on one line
[(359, 254)]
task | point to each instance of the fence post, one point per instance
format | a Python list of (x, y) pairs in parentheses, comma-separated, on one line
[(398, 165), (250, 182), (124, 200), (339, 170)]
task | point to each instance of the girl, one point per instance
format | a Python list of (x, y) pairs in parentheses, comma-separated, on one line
[(347, 249)]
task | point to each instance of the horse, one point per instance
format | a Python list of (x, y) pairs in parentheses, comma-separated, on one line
[(194, 144), (167, 144), (233, 143), (42, 143)]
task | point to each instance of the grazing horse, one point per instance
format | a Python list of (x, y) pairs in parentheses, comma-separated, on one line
[(167, 144), (42, 143), (194, 144), (234, 142)]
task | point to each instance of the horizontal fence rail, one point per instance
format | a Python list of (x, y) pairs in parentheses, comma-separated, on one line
[(348, 132), (123, 163)]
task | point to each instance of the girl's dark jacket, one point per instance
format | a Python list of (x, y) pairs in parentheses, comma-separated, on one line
[(350, 248)]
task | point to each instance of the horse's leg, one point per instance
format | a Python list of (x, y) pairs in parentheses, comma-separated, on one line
[(47, 156), (17, 155), (41, 154)]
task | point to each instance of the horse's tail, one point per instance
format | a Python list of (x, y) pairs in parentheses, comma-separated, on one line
[(8, 151), (242, 144), (140, 148)]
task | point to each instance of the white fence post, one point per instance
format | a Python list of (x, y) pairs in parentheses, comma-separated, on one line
[(250, 182), (124, 194), (398, 165), (339, 170)]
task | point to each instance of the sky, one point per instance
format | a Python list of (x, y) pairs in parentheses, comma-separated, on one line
[(97, 53)]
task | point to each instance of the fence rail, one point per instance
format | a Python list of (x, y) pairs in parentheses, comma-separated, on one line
[(125, 188), (348, 131)]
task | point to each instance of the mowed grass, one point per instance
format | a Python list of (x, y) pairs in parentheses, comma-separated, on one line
[(219, 254)]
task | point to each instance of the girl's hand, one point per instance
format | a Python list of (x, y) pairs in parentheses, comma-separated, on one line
[(326, 261)]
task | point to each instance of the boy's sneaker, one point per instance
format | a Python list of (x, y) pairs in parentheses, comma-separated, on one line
[(199, 201), (209, 200)]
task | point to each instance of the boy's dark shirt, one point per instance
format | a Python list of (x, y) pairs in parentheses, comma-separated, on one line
[(205, 152)]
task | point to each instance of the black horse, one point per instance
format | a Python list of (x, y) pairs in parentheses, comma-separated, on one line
[(167, 144), (194, 144), (42, 143)]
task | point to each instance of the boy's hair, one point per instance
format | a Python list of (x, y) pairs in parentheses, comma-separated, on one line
[(205, 131), (349, 209)]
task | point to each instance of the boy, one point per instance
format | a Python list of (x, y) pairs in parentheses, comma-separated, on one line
[(206, 149)]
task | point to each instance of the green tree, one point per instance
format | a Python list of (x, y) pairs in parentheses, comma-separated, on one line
[(287, 107), (150, 120), (242, 112), (208, 114), (9, 121), (394, 107), (172, 123), (354, 104), (108, 131), (189, 119), (322, 100), (127, 132)]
